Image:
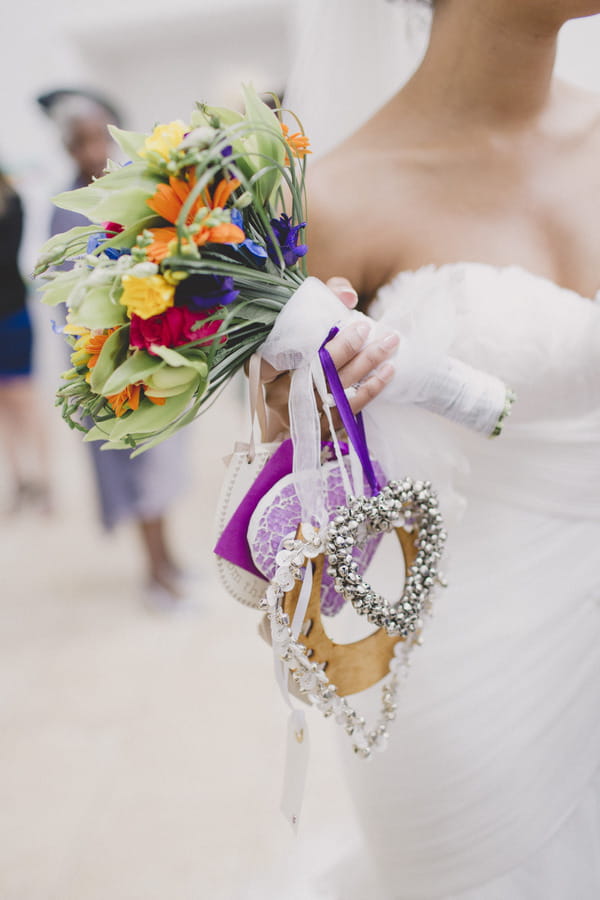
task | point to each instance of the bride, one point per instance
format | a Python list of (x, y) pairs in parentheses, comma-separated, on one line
[(478, 185)]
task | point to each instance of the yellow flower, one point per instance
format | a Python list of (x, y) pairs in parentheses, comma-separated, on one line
[(146, 297), (164, 138), (88, 346)]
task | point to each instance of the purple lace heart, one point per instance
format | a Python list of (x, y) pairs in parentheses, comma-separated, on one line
[(278, 513)]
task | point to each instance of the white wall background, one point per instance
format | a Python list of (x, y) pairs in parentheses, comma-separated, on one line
[(155, 59)]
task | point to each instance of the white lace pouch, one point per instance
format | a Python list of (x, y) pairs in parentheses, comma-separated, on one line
[(241, 474)]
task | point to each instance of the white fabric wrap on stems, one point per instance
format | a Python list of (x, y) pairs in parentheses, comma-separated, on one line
[(425, 374)]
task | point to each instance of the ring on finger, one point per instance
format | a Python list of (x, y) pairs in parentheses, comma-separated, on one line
[(352, 391)]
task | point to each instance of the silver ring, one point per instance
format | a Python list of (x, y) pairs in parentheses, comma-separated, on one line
[(352, 391)]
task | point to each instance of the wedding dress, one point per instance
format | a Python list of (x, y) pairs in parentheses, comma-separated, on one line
[(490, 788)]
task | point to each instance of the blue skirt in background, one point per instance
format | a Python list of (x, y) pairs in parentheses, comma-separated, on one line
[(16, 341)]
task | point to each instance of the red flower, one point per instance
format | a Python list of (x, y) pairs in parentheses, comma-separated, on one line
[(172, 328), (112, 228)]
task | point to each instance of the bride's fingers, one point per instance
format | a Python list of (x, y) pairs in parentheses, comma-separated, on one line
[(343, 289), (268, 373), (353, 360), (359, 396), (348, 343), (371, 387), (367, 361)]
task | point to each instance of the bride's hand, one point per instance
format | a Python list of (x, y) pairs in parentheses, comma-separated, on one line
[(364, 367)]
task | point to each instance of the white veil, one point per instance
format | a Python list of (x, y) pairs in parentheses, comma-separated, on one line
[(348, 58)]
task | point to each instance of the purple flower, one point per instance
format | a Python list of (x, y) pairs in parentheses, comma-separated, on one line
[(286, 235), (205, 291)]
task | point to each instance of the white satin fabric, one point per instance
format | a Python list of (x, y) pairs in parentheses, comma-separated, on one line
[(490, 787)]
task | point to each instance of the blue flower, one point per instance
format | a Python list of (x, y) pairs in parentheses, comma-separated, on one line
[(205, 291), (286, 235), (256, 251), (96, 240)]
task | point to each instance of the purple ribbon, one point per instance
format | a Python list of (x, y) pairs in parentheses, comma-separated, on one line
[(353, 424)]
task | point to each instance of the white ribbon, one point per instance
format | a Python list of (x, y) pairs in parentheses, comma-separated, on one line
[(425, 375)]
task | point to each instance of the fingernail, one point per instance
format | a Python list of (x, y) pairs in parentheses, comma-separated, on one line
[(349, 297), (362, 329), (386, 372), (390, 342)]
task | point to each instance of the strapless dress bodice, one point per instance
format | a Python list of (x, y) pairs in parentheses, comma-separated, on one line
[(543, 341)]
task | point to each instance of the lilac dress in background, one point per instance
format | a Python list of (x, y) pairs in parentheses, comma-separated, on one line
[(140, 488)]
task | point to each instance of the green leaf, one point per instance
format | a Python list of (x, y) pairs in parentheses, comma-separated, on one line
[(130, 142), (136, 368), (267, 140), (202, 116), (116, 445), (58, 288), (111, 356), (254, 311), (150, 417), (100, 433), (175, 358), (127, 237), (68, 243), (170, 381), (97, 309), (119, 196)]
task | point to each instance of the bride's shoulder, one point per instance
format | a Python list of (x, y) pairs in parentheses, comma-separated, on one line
[(356, 225)]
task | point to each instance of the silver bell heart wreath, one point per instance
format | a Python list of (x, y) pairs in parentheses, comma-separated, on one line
[(408, 505), (405, 504)]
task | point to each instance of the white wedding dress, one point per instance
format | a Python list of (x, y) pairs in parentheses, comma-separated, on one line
[(490, 788)]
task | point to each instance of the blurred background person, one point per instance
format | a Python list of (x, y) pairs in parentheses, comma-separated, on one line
[(20, 423), (141, 489)]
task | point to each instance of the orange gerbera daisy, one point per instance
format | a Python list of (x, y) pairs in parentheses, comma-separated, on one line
[(94, 344), (168, 200), (88, 346), (129, 398), (297, 142)]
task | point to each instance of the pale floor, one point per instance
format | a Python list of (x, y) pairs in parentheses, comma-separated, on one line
[(142, 753)]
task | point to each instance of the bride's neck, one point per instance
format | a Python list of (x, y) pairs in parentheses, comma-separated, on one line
[(485, 66)]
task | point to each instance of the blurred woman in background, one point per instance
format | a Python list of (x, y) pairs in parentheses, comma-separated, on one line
[(140, 489), (20, 428)]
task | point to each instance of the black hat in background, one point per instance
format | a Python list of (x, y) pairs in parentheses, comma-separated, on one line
[(52, 101)]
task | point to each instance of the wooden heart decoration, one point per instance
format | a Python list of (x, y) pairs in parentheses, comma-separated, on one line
[(323, 670), (358, 665)]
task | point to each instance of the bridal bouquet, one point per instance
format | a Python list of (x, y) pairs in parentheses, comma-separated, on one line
[(193, 248)]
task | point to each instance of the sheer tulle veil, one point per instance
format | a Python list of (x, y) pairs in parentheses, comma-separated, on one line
[(349, 57)]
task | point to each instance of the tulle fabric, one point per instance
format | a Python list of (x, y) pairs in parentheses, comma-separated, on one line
[(348, 58), (490, 787)]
